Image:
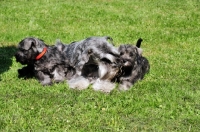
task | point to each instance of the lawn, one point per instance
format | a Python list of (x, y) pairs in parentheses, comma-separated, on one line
[(167, 99)]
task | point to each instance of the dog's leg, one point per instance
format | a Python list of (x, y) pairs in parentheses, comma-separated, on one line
[(103, 86), (26, 72), (126, 85), (109, 57), (79, 83), (58, 75), (43, 78)]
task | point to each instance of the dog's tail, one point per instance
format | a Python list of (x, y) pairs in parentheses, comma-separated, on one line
[(139, 41)]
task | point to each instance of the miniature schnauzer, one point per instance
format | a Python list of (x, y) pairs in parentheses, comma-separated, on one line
[(92, 59), (135, 65), (45, 62)]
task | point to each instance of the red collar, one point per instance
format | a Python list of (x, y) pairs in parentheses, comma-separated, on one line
[(41, 54)]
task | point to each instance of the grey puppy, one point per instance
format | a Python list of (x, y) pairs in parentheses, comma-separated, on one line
[(47, 63), (79, 52), (135, 65), (88, 58)]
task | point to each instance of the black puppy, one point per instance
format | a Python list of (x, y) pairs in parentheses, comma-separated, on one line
[(135, 65), (46, 62)]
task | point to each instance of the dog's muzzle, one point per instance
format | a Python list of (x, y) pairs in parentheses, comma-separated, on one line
[(21, 58)]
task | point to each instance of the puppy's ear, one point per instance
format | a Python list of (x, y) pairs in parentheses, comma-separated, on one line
[(37, 43), (26, 44)]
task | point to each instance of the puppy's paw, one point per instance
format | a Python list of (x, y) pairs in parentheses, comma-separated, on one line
[(79, 83), (26, 72), (124, 79), (124, 87), (45, 83), (104, 86)]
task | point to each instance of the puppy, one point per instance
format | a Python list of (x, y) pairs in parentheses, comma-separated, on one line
[(46, 62), (88, 58), (79, 52), (135, 65)]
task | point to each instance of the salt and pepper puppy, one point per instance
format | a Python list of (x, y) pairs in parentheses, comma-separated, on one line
[(46, 62), (135, 65), (87, 56), (79, 52)]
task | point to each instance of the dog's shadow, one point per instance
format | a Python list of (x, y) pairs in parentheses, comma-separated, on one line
[(6, 55)]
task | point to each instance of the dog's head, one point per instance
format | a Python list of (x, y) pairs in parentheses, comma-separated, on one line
[(129, 54), (28, 49)]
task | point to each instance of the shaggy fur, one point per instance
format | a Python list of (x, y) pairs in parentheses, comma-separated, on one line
[(51, 67), (135, 65), (92, 58)]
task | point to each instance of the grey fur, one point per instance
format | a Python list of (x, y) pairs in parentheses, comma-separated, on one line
[(79, 52), (52, 67), (135, 65), (90, 57)]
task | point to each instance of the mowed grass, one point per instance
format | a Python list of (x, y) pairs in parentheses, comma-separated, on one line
[(168, 99)]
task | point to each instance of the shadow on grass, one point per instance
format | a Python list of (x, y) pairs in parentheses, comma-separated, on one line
[(6, 55)]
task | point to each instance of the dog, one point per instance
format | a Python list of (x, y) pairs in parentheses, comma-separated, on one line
[(46, 62), (92, 59), (135, 65), (79, 52)]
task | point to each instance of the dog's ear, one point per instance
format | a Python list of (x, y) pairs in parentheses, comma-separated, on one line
[(139, 41), (26, 44), (37, 43)]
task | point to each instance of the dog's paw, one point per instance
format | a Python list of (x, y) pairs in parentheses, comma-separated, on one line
[(124, 87), (46, 83), (79, 83), (103, 86), (122, 79)]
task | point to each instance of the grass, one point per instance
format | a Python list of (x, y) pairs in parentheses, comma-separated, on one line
[(166, 100)]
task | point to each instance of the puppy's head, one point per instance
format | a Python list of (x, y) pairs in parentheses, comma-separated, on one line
[(28, 49), (129, 54)]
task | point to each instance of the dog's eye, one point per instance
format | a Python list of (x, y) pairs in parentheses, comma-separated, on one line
[(89, 51), (121, 53)]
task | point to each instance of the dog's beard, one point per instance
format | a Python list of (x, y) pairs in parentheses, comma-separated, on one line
[(25, 57)]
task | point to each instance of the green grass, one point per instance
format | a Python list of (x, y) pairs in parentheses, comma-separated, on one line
[(168, 99)]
